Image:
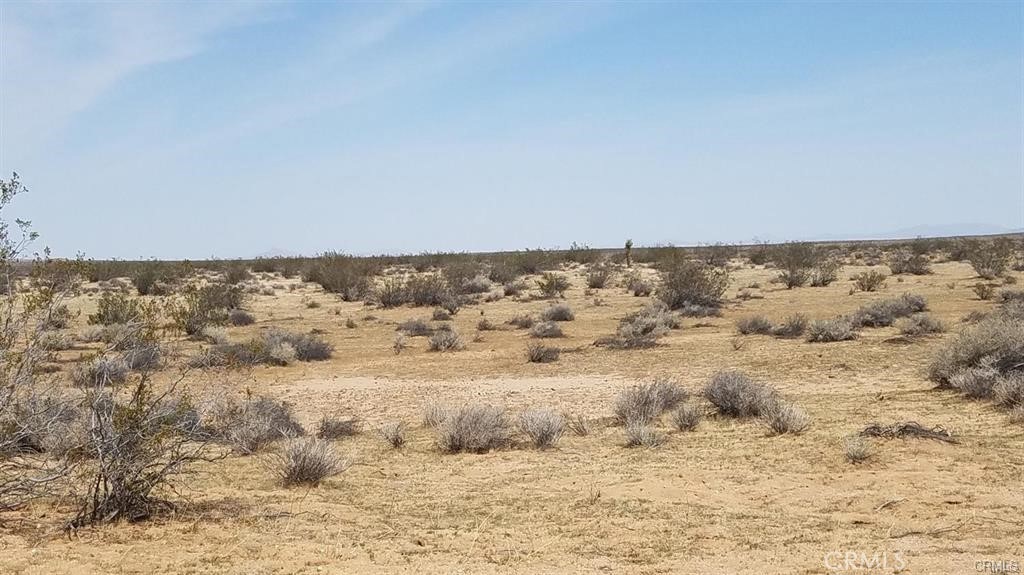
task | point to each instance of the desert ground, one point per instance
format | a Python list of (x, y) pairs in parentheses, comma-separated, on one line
[(727, 497)]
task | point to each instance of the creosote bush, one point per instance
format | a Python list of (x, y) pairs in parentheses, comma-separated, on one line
[(990, 259), (598, 276), (908, 262), (307, 461), (474, 429), (869, 281), (687, 283), (553, 285), (544, 427)]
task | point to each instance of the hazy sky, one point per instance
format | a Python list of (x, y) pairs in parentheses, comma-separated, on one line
[(230, 129)]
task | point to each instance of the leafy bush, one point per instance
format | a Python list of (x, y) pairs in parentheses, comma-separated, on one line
[(829, 330), (869, 280), (345, 275), (307, 461), (687, 283), (429, 290), (646, 402), (757, 324), (474, 429), (544, 427), (199, 307), (117, 308), (882, 313), (990, 259), (558, 312), (824, 272), (736, 395), (908, 262), (546, 329), (795, 261), (553, 285), (540, 353)]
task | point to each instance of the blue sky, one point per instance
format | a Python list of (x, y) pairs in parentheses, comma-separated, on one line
[(230, 129)]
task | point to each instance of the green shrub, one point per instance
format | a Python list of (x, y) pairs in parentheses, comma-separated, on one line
[(687, 283)]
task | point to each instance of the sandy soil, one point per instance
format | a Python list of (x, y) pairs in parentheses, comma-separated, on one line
[(727, 498)]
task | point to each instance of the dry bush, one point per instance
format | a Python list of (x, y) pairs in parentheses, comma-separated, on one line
[(598, 276), (558, 312), (415, 328), (578, 424), (734, 394), (117, 308), (641, 435), (540, 353), (337, 427), (544, 427), (1008, 296), (692, 284), (646, 402), (216, 335), (474, 429), (829, 330), (445, 340), (101, 371), (307, 461), (687, 417), (252, 424), (996, 341), (441, 315), (435, 414), (920, 324), (393, 433), (238, 318), (546, 329), (52, 341), (757, 324), (795, 261), (824, 272), (553, 285), (400, 344), (882, 313), (342, 274), (869, 281), (486, 325), (907, 262), (307, 346), (984, 292), (785, 418), (856, 449), (1008, 390), (990, 259), (793, 326), (523, 321)]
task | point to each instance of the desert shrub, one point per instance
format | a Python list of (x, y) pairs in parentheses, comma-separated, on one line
[(793, 326), (476, 284), (544, 427), (415, 328), (540, 353), (216, 335), (236, 273), (393, 433), (199, 307), (984, 292), (1009, 296), (856, 449), (117, 308), (486, 325), (869, 280), (795, 261), (784, 418), (474, 429), (502, 272), (101, 371), (717, 254), (252, 424), (342, 274), (643, 328), (908, 262), (757, 324), (546, 329), (824, 272), (558, 312), (996, 342), (399, 344), (307, 346), (646, 402), (976, 382), (920, 324), (392, 292), (307, 461), (1008, 390), (553, 285), (635, 283), (523, 321), (598, 276), (734, 394), (686, 283), (429, 290), (882, 313), (640, 435), (58, 316), (687, 417), (337, 427), (441, 315), (435, 414), (514, 288), (143, 357), (990, 259), (51, 341), (829, 330), (238, 317), (445, 340)]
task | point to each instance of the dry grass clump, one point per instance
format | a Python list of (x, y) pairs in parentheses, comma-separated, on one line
[(856, 449), (486, 325), (734, 394), (558, 312), (687, 417), (646, 402), (393, 433), (540, 353), (544, 427), (757, 324), (238, 318), (307, 461), (829, 330), (792, 327), (474, 429), (546, 329), (783, 418), (1008, 390), (445, 340), (101, 371), (920, 324), (337, 427), (441, 315), (578, 424), (252, 424), (415, 328), (435, 414), (524, 321), (908, 429), (869, 281), (883, 313), (641, 435)]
